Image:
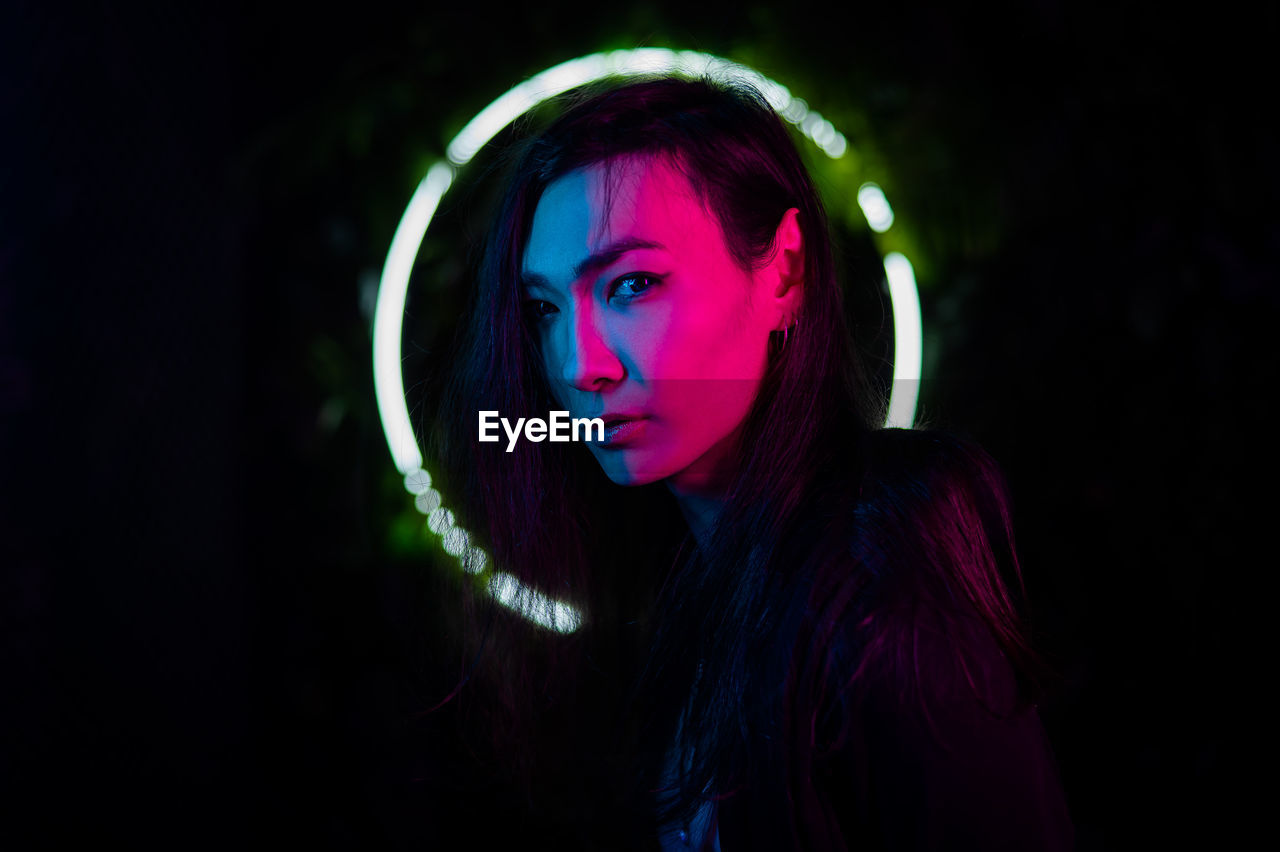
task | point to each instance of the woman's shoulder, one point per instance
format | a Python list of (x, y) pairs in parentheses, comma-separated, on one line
[(904, 469), (934, 747), (922, 531), (917, 601), (912, 664), (931, 542), (901, 637), (906, 499)]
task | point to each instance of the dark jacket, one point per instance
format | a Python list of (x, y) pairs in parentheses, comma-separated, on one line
[(953, 758)]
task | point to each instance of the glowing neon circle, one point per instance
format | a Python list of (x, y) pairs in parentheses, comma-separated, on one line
[(394, 286)]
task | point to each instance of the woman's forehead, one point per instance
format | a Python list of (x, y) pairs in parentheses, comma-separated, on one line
[(583, 211)]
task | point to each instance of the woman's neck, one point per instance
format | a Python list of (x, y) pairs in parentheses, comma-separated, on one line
[(701, 490), (700, 512)]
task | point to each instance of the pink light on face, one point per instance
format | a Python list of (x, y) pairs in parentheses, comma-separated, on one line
[(642, 314)]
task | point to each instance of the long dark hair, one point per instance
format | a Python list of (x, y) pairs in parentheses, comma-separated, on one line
[(671, 629)]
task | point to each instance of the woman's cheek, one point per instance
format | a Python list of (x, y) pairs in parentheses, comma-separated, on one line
[(657, 340), (693, 343)]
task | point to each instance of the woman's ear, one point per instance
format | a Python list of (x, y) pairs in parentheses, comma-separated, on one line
[(787, 264)]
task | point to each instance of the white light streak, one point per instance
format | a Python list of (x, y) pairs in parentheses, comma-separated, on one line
[(824, 134), (795, 111), (428, 501), (440, 520), (908, 340), (875, 207), (474, 560), (533, 605), (388, 316), (417, 481), (650, 60), (455, 541)]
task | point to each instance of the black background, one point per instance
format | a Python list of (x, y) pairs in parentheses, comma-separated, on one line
[(209, 639)]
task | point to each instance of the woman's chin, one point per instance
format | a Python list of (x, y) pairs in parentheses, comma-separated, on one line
[(627, 475), (631, 479)]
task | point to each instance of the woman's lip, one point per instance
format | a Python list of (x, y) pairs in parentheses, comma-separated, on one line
[(621, 430)]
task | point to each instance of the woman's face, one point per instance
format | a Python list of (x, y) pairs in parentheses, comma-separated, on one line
[(645, 320)]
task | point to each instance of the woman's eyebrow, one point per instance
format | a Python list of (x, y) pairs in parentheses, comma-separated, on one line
[(612, 252), (597, 260)]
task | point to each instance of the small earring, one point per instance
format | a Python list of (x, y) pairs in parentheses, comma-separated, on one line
[(795, 323)]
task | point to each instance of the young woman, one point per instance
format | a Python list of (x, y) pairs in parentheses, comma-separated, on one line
[(798, 629)]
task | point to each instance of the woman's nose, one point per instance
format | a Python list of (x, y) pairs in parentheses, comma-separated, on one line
[(590, 361)]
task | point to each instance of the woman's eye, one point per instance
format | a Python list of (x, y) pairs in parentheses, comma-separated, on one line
[(629, 286), (537, 309)]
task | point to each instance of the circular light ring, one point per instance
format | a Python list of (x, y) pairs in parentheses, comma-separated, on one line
[(393, 288)]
